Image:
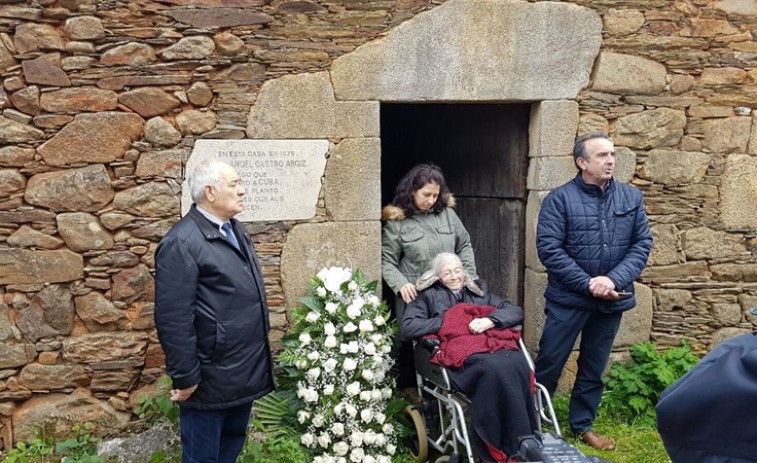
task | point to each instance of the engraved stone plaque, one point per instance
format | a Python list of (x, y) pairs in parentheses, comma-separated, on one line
[(282, 178)]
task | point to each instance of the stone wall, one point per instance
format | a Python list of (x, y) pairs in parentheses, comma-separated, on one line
[(102, 102)]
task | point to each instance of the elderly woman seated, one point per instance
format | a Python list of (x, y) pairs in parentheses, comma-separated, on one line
[(480, 351)]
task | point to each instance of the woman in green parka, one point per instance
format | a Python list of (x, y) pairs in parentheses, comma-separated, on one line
[(419, 224)]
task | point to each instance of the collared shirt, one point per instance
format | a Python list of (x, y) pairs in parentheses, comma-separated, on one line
[(215, 220)]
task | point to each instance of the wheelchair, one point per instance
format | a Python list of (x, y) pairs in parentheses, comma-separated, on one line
[(439, 421)]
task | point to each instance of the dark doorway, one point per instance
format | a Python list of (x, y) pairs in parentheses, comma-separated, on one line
[(483, 150)]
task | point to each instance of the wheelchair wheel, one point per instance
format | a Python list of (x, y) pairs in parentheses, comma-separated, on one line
[(418, 439)]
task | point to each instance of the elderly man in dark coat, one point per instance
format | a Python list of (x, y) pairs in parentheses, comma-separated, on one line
[(212, 318)]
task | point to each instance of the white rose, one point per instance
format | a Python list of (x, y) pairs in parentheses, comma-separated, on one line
[(386, 393), (329, 365), (301, 364), (367, 375), (305, 338), (314, 373), (330, 342), (338, 409), (324, 440), (353, 311), (341, 448), (387, 428), (302, 416), (380, 440), (312, 317), (369, 459), (318, 421), (373, 299), (385, 349), (313, 356), (333, 277), (384, 459), (379, 417), (352, 286), (366, 326), (391, 448), (307, 439), (321, 291), (356, 439), (379, 377), (353, 388), (349, 327), (377, 338), (350, 410), (328, 389), (331, 307), (329, 329), (337, 429), (367, 416), (370, 349), (353, 347), (379, 320), (365, 396), (376, 394), (349, 364), (357, 455)]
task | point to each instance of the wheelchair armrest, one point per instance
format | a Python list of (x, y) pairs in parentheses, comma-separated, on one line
[(431, 344)]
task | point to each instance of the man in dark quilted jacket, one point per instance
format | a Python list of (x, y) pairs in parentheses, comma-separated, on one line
[(593, 238)]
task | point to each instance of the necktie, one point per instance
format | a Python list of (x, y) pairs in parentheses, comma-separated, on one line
[(226, 227)]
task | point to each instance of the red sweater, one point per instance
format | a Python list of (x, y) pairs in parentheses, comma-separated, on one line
[(457, 341)]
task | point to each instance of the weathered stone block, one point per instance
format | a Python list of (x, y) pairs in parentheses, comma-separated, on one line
[(552, 129), (739, 192), (667, 248), (194, 47), (85, 189), (113, 380), (705, 243), (628, 74), (16, 132), (36, 376), (312, 246), (56, 304), (727, 314), (623, 22), (152, 199), (30, 37), (729, 135), (15, 355), (99, 314), (534, 285), (742, 273), (166, 163), (161, 133), (636, 324), (353, 180), (460, 53), (82, 232), (99, 137), (649, 129), (18, 266), (103, 347), (196, 122), (675, 167), (78, 99), (84, 28), (669, 300), (135, 54), (303, 106), (11, 181), (133, 284), (149, 101), (546, 173), (535, 199)]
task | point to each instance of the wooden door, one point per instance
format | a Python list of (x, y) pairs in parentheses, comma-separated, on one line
[(483, 150)]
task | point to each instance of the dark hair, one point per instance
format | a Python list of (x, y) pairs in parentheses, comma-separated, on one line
[(579, 149), (414, 180)]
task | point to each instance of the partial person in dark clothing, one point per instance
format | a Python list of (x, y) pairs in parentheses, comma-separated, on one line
[(710, 414), (212, 318), (419, 224), (499, 383), (593, 238)]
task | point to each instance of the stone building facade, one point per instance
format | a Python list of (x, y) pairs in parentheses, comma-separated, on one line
[(103, 101)]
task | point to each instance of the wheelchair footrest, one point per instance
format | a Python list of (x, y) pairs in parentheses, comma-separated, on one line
[(549, 448)]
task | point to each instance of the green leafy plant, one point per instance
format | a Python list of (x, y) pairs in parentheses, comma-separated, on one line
[(159, 407), (634, 387), (36, 450)]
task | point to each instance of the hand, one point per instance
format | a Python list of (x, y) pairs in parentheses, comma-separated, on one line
[(408, 293), (603, 288), (180, 395), (479, 325)]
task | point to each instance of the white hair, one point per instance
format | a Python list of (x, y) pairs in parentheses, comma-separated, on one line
[(441, 259), (205, 173)]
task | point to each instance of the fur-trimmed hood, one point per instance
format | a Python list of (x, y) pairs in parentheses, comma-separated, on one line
[(428, 279), (392, 212)]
